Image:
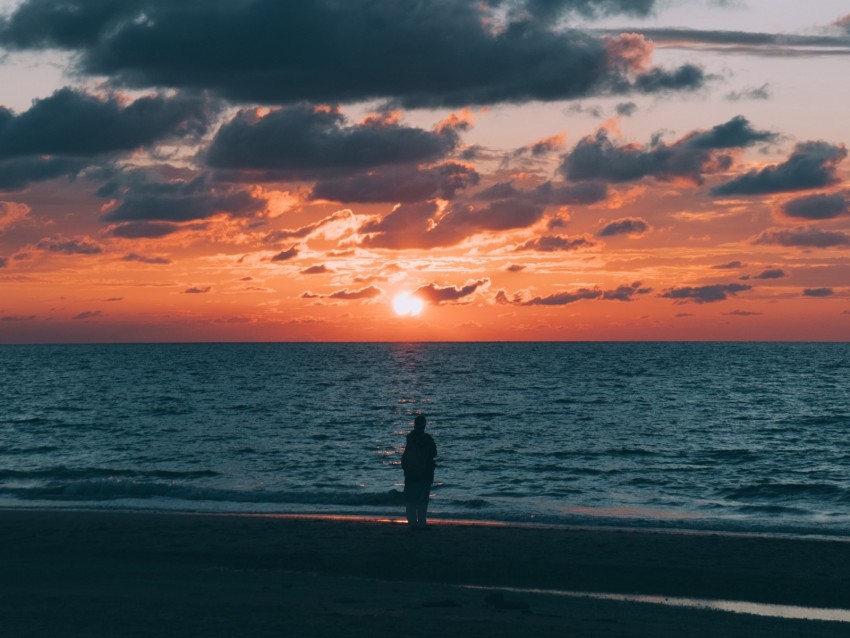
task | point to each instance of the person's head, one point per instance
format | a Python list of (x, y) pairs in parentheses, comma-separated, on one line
[(419, 423)]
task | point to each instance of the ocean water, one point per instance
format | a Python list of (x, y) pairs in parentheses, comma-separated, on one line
[(688, 435)]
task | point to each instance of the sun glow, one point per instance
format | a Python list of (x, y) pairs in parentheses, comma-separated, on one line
[(406, 305)]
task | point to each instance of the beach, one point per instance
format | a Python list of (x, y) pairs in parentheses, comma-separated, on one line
[(76, 573)]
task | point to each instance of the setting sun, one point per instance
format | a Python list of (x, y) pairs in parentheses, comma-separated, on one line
[(406, 305)]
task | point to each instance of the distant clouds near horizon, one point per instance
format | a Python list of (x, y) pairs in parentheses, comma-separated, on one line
[(512, 163)]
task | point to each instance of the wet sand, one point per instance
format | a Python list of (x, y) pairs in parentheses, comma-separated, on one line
[(145, 574)]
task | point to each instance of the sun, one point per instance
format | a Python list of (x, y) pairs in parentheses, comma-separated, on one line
[(406, 305)]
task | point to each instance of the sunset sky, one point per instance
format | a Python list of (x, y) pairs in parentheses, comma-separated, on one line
[(258, 170)]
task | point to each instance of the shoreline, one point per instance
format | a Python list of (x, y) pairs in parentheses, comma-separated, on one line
[(174, 573)]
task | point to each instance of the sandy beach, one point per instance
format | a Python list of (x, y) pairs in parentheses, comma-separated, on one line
[(143, 574)]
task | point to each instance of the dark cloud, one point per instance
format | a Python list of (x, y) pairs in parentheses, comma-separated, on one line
[(596, 157), (307, 141), (304, 231), (740, 313), (3, 262), (818, 292), (432, 293), (18, 318), (818, 206), (286, 255), (547, 194), (428, 54), (704, 294), (729, 265), (803, 237), (17, 174), (625, 292), (88, 314), (319, 269), (398, 184), (77, 124), (553, 9), (143, 197), (625, 226), (151, 230), (70, 246), (564, 298), (144, 259), (197, 290), (626, 109), (771, 273), (514, 268), (811, 165), (369, 292), (552, 243), (420, 226)]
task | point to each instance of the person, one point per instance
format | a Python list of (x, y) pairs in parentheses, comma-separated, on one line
[(418, 464)]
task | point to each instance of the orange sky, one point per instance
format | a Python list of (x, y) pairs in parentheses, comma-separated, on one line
[(715, 209)]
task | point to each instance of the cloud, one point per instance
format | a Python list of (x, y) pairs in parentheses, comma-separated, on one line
[(564, 298), (11, 213), (4, 262), (422, 226), (771, 273), (17, 318), (151, 230), (596, 157), (88, 314), (803, 237), (729, 265), (547, 194), (197, 290), (308, 141), (77, 124), (514, 268), (434, 294), (17, 174), (552, 243), (741, 313), (626, 109), (624, 226), (811, 165), (145, 259), (447, 53), (398, 184), (286, 255), (369, 292), (624, 292), (70, 246), (141, 197), (704, 294), (818, 206), (753, 93), (818, 292), (319, 269)]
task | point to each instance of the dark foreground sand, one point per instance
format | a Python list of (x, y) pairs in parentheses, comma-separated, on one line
[(128, 574)]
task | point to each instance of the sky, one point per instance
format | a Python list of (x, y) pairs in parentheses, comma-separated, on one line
[(440, 170)]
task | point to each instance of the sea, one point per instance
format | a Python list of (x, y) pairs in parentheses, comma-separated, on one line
[(750, 437)]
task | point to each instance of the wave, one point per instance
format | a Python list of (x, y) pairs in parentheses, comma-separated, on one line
[(779, 491), (64, 473), (110, 490)]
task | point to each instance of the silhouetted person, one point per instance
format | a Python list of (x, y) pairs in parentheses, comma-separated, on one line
[(418, 464)]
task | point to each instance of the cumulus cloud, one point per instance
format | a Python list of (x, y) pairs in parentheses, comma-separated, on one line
[(597, 157), (16, 174), (811, 165), (771, 273), (139, 196), (624, 292), (818, 206), (78, 124), (818, 292), (308, 141), (803, 237), (326, 51), (318, 269), (552, 243), (398, 184), (197, 290), (625, 226), (729, 265), (704, 294), (286, 255), (369, 292), (434, 294), (70, 245), (144, 259)]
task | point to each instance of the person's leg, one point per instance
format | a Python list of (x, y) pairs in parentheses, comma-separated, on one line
[(410, 500), (422, 506)]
